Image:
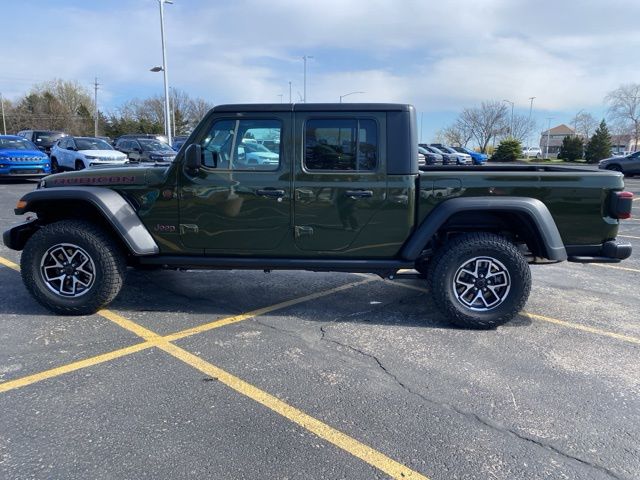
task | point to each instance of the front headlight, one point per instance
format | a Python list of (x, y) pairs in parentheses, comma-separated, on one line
[(91, 157)]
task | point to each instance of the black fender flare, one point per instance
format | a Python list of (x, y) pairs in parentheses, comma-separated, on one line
[(532, 208), (111, 205)]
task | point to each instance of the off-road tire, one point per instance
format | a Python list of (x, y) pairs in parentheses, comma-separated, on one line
[(449, 260), (106, 255)]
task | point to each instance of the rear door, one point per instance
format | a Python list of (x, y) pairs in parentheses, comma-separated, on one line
[(340, 179), (234, 205)]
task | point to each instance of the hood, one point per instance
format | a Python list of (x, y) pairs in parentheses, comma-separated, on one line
[(104, 154), (163, 153), (35, 155), (106, 177)]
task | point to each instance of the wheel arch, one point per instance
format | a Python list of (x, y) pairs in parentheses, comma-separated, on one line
[(98, 205), (528, 218)]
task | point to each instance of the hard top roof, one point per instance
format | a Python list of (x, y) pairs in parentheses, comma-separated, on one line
[(313, 107)]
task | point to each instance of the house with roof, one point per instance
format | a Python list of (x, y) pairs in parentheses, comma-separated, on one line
[(554, 137)]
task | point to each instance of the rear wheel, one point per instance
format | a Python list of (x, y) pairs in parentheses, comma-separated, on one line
[(72, 267), (479, 280)]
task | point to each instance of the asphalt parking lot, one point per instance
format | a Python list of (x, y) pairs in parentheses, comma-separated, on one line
[(246, 375)]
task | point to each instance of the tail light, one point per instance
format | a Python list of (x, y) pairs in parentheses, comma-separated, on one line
[(621, 205)]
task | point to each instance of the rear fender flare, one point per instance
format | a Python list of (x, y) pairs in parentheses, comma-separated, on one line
[(531, 208)]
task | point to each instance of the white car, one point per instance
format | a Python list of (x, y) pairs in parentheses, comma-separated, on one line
[(76, 153), (255, 154), (461, 157), (532, 152)]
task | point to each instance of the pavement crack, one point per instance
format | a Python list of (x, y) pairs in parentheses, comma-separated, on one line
[(492, 424)]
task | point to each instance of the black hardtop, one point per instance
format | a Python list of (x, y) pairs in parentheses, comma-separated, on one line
[(314, 107)]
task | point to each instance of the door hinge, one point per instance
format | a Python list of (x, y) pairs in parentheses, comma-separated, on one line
[(303, 231)]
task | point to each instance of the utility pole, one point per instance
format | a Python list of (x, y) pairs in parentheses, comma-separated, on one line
[(4, 122), (529, 122), (289, 91), (305, 58), (421, 118), (95, 107), (546, 155), (280, 95), (511, 124)]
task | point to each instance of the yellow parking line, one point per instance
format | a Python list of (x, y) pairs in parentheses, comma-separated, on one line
[(8, 263), (576, 326), (336, 437), (72, 367), (606, 265)]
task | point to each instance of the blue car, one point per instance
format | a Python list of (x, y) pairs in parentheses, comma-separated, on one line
[(478, 158), (21, 158)]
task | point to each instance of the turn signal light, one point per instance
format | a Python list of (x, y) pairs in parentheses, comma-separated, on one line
[(21, 204)]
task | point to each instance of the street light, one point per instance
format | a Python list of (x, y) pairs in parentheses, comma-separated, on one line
[(511, 127), (546, 155), (305, 58), (347, 94), (4, 122), (172, 107), (529, 121), (167, 119)]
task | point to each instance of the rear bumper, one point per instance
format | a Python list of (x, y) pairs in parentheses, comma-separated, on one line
[(612, 251)]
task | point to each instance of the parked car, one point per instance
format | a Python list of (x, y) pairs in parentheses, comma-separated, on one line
[(471, 233), (629, 164), (447, 158), (21, 158), (426, 157), (460, 158), (151, 136), (77, 153), (530, 152), (253, 153), (476, 157), (178, 141), (146, 150), (43, 139)]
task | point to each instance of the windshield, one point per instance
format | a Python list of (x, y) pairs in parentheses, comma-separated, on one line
[(460, 149), (48, 137), (154, 145), (92, 144), (435, 150), (16, 144), (424, 151)]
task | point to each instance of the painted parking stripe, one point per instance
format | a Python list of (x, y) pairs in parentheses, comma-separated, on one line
[(563, 323), (629, 236), (8, 263), (615, 267)]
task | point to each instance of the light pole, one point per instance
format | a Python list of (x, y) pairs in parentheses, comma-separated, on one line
[(4, 122), (280, 95), (511, 124), (167, 118), (305, 58), (95, 107), (347, 94), (546, 155), (289, 91)]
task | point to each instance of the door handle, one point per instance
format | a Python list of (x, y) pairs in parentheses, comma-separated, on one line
[(359, 194), (270, 192)]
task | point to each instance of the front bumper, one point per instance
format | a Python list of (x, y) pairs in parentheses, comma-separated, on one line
[(612, 251), (24, 171)]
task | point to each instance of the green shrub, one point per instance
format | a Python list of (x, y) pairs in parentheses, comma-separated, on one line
[(572, 149), (509, 150)]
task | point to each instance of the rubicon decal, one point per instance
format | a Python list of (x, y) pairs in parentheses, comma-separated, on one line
[(128, 179)]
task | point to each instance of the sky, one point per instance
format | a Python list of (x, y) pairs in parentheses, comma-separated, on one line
[(439, 56)]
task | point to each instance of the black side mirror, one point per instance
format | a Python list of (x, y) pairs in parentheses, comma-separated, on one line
[(193, 157)]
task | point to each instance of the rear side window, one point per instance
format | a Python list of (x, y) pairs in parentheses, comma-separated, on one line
[(341, 145)]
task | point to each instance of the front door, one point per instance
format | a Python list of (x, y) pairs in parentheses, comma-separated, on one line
[(340, 182), (239, 202)]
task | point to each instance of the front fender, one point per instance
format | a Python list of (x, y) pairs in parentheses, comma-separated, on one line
[(109, 203)]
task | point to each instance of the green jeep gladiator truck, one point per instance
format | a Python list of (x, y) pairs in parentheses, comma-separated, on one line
[(320, 187)]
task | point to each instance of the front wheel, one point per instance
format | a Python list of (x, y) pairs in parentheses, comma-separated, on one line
[(72, 267), (479, 280)]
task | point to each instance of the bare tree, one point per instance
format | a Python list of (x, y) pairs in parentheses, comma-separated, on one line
[(584, 124), (199, 108), (624, 104), (485, 122), (457, 134), (523, 127)]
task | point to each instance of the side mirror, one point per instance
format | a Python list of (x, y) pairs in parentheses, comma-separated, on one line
[(193, 157)]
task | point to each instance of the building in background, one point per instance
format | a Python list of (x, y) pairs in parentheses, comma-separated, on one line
[(555, 135)]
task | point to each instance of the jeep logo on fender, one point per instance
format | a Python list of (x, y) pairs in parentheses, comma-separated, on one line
[(94, 180)]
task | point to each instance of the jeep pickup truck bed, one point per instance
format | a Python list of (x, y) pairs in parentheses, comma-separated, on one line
[(321, 187)]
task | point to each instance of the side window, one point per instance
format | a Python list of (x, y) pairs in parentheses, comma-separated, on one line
[(341, 144), (240, 145)]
